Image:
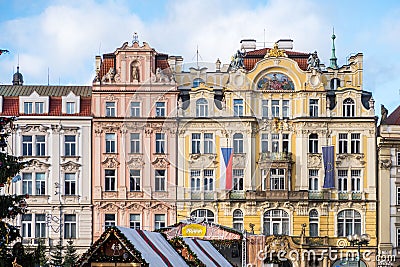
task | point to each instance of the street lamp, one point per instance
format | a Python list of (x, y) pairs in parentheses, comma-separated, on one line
[(359, 240)]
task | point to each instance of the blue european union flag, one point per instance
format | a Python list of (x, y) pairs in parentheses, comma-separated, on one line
[(328, 156)]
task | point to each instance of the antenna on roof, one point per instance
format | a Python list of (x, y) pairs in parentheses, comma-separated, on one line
[(197, 57), (48, 76), (264, 37)]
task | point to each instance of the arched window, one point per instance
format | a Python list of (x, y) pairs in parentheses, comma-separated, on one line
[(238, 143), (196, 82), (238, 220), (313, 222), (348, 107), (313, 143), (276, 222), (349, 222), (207, 215), (202, 107)]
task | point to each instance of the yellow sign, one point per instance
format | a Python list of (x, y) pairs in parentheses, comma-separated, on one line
[(194, 230)]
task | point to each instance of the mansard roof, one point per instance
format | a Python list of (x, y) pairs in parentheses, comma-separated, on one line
[(393, 118), (45, 90)]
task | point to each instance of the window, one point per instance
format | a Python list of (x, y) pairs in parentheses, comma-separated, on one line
[(28, 108), (313, 223), (196, 143), (134, 221), (342, 143), (109, 220), (40, 184), (160, 109), (348, 107), (135, 109), (276, 222), (110, 109), (110, 143), (355, 143), (313, 107), (285, 108), (277, 177), (264, 179), (275, 108), (201, 108), (160, 180), (135, 143), (313, 143), (69, 226), (205, 214), (238, 176), (342, 180), (313, 180), (208, 180), (159, 221), (349, 223), (109, 180), (356, 180), (39, 107), (238, 143), (398, 237), (40, 225), (27, 183), (264, 143), (134, 178), (70, 184), (275, 143), (70, 108), (398, 195), (70, 145), (285, 143), (26, 225), (264, 109), (398, 158), (208, 143), (237, 107), (160, 143), (27, 145), (238, 220), (195, 180), (40, 145), (197, 82)]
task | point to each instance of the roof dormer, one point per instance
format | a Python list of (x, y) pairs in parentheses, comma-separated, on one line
[(34, 104), (71, 103)]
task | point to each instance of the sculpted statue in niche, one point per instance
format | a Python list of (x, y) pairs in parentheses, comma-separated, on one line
[(134, 72)]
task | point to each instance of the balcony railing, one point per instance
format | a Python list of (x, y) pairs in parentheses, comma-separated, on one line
[(208, 195), (343, 196), (195, 195), (356, 195), (279, 156), (237, 195)]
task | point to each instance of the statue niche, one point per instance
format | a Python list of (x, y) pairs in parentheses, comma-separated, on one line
[(134, 71)]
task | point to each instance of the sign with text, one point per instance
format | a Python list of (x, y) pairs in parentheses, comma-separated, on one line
[(194, 230)]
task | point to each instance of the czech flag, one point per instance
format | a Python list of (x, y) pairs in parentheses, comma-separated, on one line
[(226, 168)]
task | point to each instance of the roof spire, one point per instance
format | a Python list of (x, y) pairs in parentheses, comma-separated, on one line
[(333, 59)]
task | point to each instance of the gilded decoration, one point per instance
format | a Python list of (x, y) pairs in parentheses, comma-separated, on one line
[(275, 81), (275, 52)]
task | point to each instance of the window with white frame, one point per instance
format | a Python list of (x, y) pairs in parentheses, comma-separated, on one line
[(275, 109), (70, 107), (264, 143), (34, 183), (207, 139), (238, 143), (208, 175), (202, 107), (343, 143), (40, 183), (398, 195), (285, 108), (398, 237), (313, 219), (355, 143), (208, 143), (277, 178), (28, 107), (109, 220), (28, 149), (342, 180), (33, 104), (160, 143), (26, 225), (264, 179), (70, 145), (196, 140), (71, 103), (195, 180), (237, 107), (205, 214), (135, 143), (39, 107), (348, 107), (110, 109), (40, 145), (40, 225), (135, 109), (238, 220), (70, 226), (264, 109), (349, 223), (356, 180), (285, 143), (27, 183), (70, 184), (238, 179), (110, 180), (160, 179), (313, 143), (275, 143), (160, 109), (398, 158), (134, 180), (110, 143), (27, 145), (313, 180), (159, 221), (276, 222), (134, 221), (313, 105)]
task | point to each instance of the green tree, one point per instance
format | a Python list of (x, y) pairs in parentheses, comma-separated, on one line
[(39, 254), (56, 257), (71, 257)]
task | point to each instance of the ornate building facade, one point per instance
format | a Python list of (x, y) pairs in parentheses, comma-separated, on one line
[(134, 139), (53, 126)]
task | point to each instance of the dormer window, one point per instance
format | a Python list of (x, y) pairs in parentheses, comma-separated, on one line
[(201, 108), (34, 104), (348, 108), (70, 108), (28, 108), (71, 104), (39, 107)]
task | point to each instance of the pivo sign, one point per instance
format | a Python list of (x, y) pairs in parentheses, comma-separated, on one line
[(194, 230)]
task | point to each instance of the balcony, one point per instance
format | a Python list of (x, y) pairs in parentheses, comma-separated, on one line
[(235, 195), (275, 156), (199, 195), (356, 195), (195, 195), (319, 195), (343, 196)]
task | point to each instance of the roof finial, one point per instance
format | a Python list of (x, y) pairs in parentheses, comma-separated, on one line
[(135, 38), (333, 59)]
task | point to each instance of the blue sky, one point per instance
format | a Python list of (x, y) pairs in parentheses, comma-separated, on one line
[(64, 36)]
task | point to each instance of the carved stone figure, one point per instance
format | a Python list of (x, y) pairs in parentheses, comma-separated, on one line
[(313, 62), (109, 77), (134, 73), (384, 113), (237, 60)]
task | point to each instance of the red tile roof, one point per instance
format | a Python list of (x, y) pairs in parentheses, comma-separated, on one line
[(108, 62), (393, 118)]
